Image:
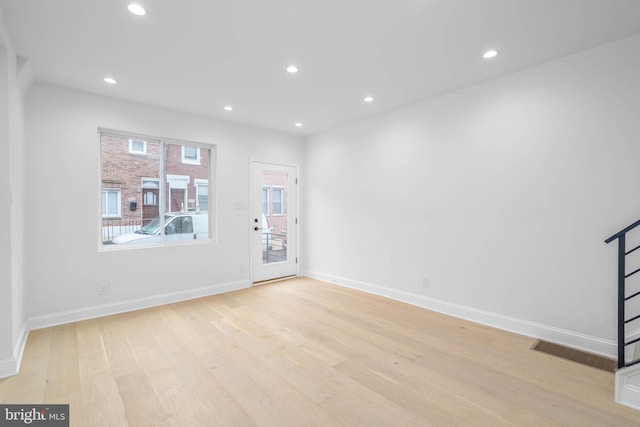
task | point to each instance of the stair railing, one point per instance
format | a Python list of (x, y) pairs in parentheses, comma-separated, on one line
[(621, 236)]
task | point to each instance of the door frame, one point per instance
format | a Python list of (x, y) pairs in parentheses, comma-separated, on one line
[(295, 255)]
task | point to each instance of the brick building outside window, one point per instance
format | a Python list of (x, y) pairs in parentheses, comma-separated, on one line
[(132, 182)]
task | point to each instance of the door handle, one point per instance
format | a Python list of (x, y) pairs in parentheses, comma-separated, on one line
[(257, 228)]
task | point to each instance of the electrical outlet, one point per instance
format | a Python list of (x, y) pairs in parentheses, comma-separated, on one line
[(103, 288), (425, 282)]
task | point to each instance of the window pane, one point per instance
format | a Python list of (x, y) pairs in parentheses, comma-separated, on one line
[(150, 198), (137, 145), (186, 225), (151, 183), (274, 240), (191, 153), (187, 196), (203, 198), (112, 202), (104, 202), (277, 201), (123, 168), (141, 199)]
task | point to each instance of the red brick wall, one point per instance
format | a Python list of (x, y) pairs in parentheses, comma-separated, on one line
[(175, 166), (124, 170)]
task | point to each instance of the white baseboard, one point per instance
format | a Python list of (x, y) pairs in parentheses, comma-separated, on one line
[(524, 327), (54, 319), (11, 366), (628, 387)]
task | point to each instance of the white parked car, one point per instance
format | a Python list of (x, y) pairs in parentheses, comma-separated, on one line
[(177, 226)]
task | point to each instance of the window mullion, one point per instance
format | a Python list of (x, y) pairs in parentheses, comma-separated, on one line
[(163, 188)]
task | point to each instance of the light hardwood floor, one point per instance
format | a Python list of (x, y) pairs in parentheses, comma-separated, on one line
[(305, 353)]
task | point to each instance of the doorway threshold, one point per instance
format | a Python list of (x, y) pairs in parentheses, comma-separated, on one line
[(277, 279)]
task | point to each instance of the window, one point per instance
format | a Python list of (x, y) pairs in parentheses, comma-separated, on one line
[(150, 198), (265, 200), (202, 194), (143, 195), (180, 225), (277, 204), (151, 183), (137, 146), (110, 202), (190, 155)]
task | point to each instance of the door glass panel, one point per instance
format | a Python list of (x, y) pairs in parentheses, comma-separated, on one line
[(275, 217)]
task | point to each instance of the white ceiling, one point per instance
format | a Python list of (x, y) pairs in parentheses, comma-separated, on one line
[(197, 56)]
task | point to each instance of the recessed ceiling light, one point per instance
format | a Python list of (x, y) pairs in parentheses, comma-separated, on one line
[(292, 69), (136, 9), (368, 99), (490, 54), (298, 125), (110, 80), (228, 108)]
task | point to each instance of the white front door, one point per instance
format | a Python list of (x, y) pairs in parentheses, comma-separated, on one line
[(274, 222)]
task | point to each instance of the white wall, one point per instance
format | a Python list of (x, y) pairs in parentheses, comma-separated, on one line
[(63, 185), (500, 194), (19, 84), (12, 303), (6, 344)]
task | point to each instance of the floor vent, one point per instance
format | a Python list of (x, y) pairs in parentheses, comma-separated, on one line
[(574, 355)]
